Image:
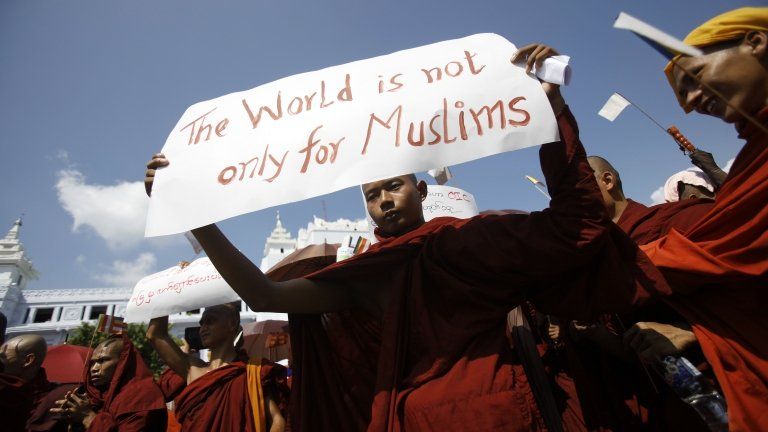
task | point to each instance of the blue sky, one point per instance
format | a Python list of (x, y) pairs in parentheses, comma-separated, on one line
[(90, 89)]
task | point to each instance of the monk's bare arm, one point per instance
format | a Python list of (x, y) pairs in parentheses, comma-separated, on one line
[(275, 418), (172, 355), (261, 293), (250, 283)]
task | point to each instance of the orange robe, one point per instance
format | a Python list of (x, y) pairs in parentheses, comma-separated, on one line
[(132, 402), (719, 272), (221, 399), (438, 359)]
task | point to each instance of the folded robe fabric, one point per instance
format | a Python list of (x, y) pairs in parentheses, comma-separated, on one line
[(15, 402), (220, 400), (436, 357), (646, 224), (718, 270), (45, 395), (132, 402)]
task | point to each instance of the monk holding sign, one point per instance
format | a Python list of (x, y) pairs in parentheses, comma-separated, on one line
[(228, 393), (430, 300)]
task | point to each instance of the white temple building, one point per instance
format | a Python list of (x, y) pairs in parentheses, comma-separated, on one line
[(52, 313)]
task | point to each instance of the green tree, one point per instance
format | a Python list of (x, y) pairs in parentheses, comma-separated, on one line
[(84, 335)]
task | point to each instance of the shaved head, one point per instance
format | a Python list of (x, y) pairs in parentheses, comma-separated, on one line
[(600, 165), (609, 182), (229, 311), (22, 356), (220, 325), (104, 361), (112, 344)]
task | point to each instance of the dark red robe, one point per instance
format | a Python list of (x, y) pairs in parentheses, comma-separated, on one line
[(719, 272), (646, 224), (617, 396), (438, 359), (219, 400), (171, 384), (15, 402), (132, 402), (45, 395)]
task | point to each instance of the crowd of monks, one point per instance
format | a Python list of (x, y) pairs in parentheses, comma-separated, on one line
[(550, 320)]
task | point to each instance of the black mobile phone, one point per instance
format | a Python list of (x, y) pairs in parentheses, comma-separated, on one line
[(192, 336)]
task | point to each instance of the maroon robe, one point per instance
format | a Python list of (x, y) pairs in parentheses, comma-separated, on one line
[(616, 396), (646, 224), (45, 395), (171, 384), (438, 359), (15, 402), (132, 402), (219, 400)]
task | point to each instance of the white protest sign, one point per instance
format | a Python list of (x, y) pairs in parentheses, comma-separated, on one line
[(178, 290), (448, 201), (319, 132)]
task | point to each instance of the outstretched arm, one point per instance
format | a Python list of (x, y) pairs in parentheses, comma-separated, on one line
[(258, 291), (172, 355)]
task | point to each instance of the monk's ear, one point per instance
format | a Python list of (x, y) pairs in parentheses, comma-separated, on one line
[(421, 186), (608, 180), (29, 359), (757, 43)]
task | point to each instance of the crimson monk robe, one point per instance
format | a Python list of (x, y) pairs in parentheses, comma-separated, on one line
[(132, 401), (718, 272), (437, 358), (231, 397)]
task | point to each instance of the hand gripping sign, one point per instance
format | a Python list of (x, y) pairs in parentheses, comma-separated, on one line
[(319, 132)]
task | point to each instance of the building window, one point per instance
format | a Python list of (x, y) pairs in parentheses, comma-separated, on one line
[(43, 315), (96, 311), (18, 280)]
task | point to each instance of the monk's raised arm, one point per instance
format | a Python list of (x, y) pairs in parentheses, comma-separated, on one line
[(249, 282), (172, 355), (261, 293)]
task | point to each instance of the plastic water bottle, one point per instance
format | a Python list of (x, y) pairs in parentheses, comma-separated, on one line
[(691, 386)]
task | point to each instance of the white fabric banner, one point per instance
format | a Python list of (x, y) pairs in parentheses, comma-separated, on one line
[(319, 132), (178, 290)]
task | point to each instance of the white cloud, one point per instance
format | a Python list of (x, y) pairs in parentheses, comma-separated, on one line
[(657, 197), (116, 213), (80, 259), (127, 273)]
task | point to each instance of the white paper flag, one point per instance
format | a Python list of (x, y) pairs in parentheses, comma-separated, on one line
[(652, 34), (196, 246), (613, 107), (441, 175)]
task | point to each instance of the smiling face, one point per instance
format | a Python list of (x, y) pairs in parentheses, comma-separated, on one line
[(395, 203), (737, 70), (104, 362)]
